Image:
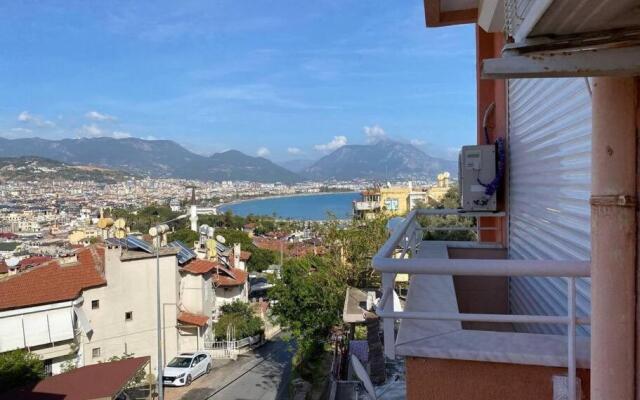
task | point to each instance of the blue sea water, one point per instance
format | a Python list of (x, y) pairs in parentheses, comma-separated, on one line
[(308, 207)]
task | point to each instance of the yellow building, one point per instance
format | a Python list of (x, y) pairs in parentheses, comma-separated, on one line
[(399, 200)]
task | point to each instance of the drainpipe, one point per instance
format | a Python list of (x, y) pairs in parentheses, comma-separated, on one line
[(613, 238)]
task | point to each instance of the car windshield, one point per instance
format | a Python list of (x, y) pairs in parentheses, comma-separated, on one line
[(180, 362)]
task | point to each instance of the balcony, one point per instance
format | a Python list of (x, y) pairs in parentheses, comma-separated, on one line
[(366, 205), (456, 330)]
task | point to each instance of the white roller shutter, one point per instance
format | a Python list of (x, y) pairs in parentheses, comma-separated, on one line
[(36, 329), (61, 324), (549, 189), (11, 335)]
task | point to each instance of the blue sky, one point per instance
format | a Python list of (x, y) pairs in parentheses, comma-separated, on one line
[(283, 79)]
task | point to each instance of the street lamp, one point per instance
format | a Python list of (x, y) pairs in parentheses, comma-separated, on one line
[(157, 232)]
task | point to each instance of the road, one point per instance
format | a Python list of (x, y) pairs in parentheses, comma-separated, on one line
[(260, 375)]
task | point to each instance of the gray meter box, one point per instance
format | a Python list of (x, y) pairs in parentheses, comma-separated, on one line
[(477, 165)]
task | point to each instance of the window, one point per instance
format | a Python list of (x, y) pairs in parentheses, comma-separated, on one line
[(95, 352), (128, 316), (95, 304)]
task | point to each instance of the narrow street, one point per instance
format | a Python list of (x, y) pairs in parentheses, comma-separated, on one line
[(259, 375)]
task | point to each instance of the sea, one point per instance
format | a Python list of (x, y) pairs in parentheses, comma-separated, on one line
[(307, 207)]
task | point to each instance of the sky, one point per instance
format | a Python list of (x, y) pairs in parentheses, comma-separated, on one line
[(283, 79)]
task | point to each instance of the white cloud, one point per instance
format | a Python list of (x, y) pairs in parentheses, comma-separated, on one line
[(27, 118), (294, 151), (91, 131), (374, 133), (336, 143), (150, 137), (97, 116), (121, 135), (418, 142), (263, 152)]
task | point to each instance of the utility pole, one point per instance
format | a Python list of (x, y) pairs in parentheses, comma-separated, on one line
[(157, 232)]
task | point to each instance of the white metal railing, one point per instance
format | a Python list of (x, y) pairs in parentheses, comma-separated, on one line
[(406, 239)]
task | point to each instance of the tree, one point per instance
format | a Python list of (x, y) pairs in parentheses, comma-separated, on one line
[(308, 298), (239, 316), (352, 245), (185, 235), (19, 368), (451, 200)]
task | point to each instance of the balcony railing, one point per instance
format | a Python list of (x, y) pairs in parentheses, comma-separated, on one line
[(366, 205), (398, 255)]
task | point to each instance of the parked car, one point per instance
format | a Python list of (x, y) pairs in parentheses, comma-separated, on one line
[(186, 367)]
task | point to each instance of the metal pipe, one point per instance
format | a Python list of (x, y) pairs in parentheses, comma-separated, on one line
[(613, 238), (571, 337), (160, 389), (506, 318), (473, 267)]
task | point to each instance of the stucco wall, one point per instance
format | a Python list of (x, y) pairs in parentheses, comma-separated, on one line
[(131, 286)]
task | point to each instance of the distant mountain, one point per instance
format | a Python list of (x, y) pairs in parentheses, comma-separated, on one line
[(27, 169), (158, 158), (297, 165), (384, 160)]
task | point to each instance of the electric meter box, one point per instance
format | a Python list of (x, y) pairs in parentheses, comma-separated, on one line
[(477, 167)]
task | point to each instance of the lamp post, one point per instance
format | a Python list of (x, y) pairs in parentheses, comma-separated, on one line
[(157, 232)]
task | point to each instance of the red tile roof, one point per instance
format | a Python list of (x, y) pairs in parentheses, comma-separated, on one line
[(34, 261), (51, 283), (192, 319), (245, 255), (98, 381), (223, 278), (199, 266)]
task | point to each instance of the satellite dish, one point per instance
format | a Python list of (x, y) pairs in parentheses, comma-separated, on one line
[(13, 262), (120, 223), (204, 229), (104, 223), (210, 232), (446, 174), (121, 233), (361, 373), (221, 239), (440, 177)]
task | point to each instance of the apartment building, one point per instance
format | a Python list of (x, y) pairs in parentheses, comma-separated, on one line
[(101, 302), (543, 305)]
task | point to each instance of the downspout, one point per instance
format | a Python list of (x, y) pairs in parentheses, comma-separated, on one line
[(613, 238)]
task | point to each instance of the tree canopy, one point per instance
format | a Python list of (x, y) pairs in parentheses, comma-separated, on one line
[(19, 368)]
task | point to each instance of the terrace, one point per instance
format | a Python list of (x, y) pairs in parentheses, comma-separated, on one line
[(457, 310)]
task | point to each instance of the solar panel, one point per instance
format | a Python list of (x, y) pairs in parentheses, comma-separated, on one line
[(133, 242), (221, 248), (185, 253)]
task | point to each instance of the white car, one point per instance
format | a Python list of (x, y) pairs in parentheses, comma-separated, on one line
[(186, 367)]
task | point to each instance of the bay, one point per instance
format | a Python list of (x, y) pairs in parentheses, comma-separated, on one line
[(313, 207)]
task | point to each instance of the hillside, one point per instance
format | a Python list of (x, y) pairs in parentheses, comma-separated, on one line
[(158, 158), (384, 160), (40, 169)]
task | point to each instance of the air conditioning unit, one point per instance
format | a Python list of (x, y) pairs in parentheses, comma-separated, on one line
[(477, 172)]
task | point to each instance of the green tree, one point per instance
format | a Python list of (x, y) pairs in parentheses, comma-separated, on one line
[(351, 246), (185, 235), (308, 298), (19, 368), (451, 200), (241, 317)]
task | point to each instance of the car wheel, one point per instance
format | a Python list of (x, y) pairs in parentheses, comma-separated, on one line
[(208, 368), (188, 381)]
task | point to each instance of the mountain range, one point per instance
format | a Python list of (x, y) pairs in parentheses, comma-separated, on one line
[(41, 169), (157, 158), (385, 160)]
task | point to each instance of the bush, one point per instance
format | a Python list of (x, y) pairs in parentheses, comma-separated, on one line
[(240, 316), (19, 368)]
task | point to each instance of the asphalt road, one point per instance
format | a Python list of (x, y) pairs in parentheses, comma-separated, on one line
[(260, 375)]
